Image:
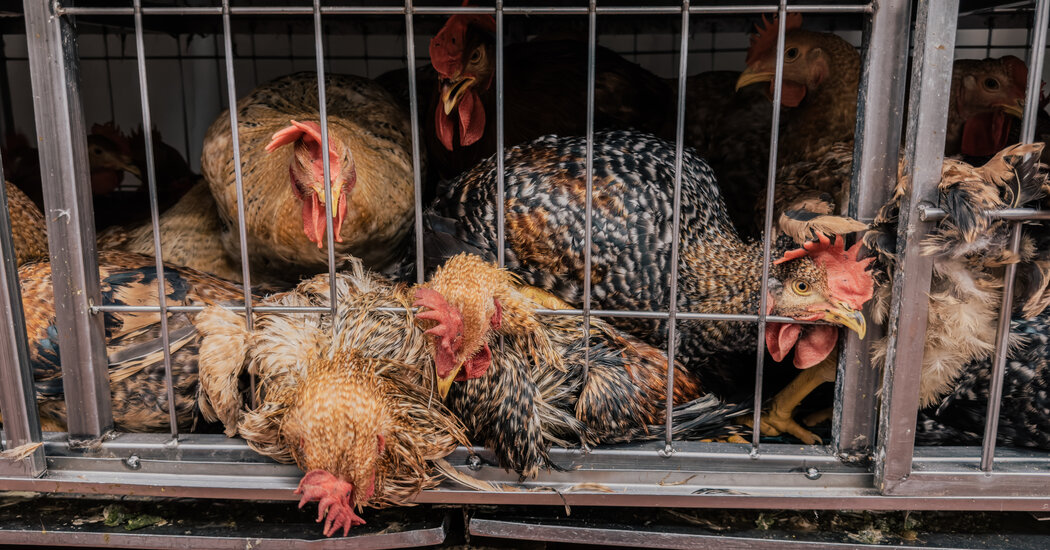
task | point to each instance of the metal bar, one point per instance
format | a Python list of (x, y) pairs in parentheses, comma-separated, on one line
[(453, 10), (592, 44), (767, 235), (501, 176), (17, 395), (154, 209), (1002, 335), (876, 152), (930, 213), (927, 118), (242, 230), (70, 219), (413, 107), (322, 104), (676, 226)]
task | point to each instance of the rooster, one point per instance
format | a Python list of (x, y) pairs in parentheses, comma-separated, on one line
[(356, 411), (970, 252), (718, 272), (819, 93), (133, 341), (28, 229), (545, 92), (533, 393), (282, 164)]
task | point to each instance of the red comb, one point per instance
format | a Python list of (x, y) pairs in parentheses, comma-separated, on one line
[(113, 134), (848, 279), (449, 321), (1018, 73), (765, 37), (446, 48)]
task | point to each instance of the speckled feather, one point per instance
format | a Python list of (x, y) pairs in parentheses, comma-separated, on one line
[(133, 343), (28, 230), (363, 116)]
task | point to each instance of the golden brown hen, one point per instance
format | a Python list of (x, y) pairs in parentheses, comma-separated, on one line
[(987, 98), (282, 163), (356, 409), (819, 93), (28, 229)]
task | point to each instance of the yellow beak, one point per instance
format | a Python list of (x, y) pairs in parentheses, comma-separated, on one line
[(750, 76), (332, 208), (132, 169), (445, 384), (849, 318), (1015, 109), (452, 93)]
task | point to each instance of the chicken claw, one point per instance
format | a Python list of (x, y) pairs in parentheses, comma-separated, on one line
[(775, 423), (333, 496)]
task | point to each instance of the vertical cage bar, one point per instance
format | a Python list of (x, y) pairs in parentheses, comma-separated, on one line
[(330, 211), (64, 170), (767, 235), (235, 137), (676, 227), (17, 395), (592, 42), (934, 46), (501, 176), (413, 112), (876, 152), (154, 211), (7, 115), (1002, 335)]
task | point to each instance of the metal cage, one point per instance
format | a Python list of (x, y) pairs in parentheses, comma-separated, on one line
[(871, 462)]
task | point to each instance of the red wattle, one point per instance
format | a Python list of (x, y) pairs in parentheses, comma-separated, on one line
[(477, 365), (815, 345), (791, 94), (444, 127), (471, 118), (985, 134), (780, 338), (313, 220)]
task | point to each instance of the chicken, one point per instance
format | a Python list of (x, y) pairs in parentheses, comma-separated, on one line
[(533, 393), (545, 91), (356, 411), (632, 198), (986, 95), (191, 235), (133, 341), (28, 229), (970, 252), (282, 163), (819, 96)]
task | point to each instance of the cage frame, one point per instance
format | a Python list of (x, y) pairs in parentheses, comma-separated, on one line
[(689, 474)]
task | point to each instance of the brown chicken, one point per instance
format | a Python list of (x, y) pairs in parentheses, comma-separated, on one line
[(28, 229), (356, 411), (133, 342), (545, 87), (282, 163), (819, 96), (191, 234), (987, 99)]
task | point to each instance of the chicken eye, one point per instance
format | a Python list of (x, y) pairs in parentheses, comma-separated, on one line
[(791, 54), (476, 56), (991, 84), (801, 288)]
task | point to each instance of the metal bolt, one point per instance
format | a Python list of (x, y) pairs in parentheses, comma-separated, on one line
[(133, 462), (474, 462), (813, 473)]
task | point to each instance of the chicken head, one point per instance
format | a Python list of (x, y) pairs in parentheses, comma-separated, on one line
[(306, 172), (822, 281), (337, 425), (806, 63), (467, 298), (987, 94), (109, 156), (461, 53)]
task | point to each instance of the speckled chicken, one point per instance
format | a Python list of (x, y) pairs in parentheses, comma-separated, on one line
[(545, 87), (283, 175), (631, 255), (355, 408), (28, 229), (819, 100), (533, 393), (970, 251), (133, 342)]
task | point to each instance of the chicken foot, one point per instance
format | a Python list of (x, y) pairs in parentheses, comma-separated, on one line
[(779, 418), (333, 496)]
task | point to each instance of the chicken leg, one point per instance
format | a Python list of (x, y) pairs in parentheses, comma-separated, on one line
[(779, 417), (333, 496)]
